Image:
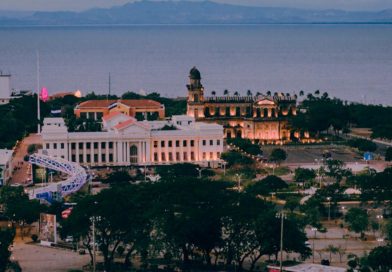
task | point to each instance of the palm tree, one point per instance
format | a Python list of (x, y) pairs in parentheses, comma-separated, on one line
[(258, 93), (317, 92), (236, 93), (325, 95), (213, 93), (249, 93), (269, 93), (226, 92), (275, 94), (332, 250), (301, 93)]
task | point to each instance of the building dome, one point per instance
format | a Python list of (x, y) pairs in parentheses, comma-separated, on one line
[(194, 73)]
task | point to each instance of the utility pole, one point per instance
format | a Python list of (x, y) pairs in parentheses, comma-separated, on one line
[(282, 216), (38, 100)]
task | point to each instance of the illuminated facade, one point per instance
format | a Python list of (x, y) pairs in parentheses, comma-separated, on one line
[(126, 141), (143, 109), (260, 117)]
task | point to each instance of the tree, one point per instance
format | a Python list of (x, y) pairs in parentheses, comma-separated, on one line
[(278, 155), (267, 185), (388, 230), (225, 92), (363, 145), (213, 93), (292, 203), (332, 250), (18, 208), (249, 93), (357, 220), (335, 169), (234, 157), (236, 93), (388, 154), (301, 93), (118, 177), (177, 170), (304, 175), (379, 259), (6, 239)]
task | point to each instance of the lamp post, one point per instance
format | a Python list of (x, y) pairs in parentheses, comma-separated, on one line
[(313, 249), (239, 181), (379, 218), (329, 208), (200, 170), (282, 216)]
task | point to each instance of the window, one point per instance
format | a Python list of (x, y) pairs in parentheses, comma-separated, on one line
[(62, 145), (192, 156), (95, 145), (99, 115), (88, 158), (54, 146), (110, 157), (170, 156), (103, 145), (185, 156), (103, 157), (211, 142), (192, 142), (184, 143), (155, 144), (204, 142), (162, 143), (155, 156), (170, 143), (73, 158), (211, 155), (95, 157), (81, 158), (47, 146), (83, 115), (218, 142), (110, 144), (88, 145), (163, 156), (204, 155), (218, 155), (178, 158), (177, 143), (80, 145)]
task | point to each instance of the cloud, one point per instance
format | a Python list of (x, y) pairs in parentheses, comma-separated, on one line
[(78, 5)]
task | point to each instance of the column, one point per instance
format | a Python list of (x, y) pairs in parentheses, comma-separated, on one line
[(84, 152), (107, 151), (99, 153), (92, 153), (115, 153)]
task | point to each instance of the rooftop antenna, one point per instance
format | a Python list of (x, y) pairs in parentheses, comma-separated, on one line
[(38, 102)]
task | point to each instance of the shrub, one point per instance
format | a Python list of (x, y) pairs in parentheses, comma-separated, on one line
[(34, 237)]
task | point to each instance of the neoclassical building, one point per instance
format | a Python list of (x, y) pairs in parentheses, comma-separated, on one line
[(261, 117), (126, 141)]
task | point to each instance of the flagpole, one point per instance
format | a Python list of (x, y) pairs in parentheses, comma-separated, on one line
[(38, 102)]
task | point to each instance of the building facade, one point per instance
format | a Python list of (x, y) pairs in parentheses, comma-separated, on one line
[(5, 165), (127, 141), (144, 109), (261, 117)]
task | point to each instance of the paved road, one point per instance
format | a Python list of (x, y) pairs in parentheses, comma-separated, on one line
[(22, 169), (36, 258)]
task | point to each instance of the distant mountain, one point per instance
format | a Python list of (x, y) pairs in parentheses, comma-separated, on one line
[(185, 12)]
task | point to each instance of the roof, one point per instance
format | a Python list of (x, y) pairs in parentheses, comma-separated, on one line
[(130, 121), (134, 103), (194, 73), (111, 115)]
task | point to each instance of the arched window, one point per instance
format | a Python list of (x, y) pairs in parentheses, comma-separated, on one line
[(196, 98), (265, 113), (133, 154)]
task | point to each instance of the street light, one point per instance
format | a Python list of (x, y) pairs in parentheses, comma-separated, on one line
[(329, 208), (239, 181), (199, 169), (282, 216), (313, 249), (379, 218)]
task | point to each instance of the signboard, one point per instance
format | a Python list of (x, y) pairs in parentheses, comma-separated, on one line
[(47, 228), (368, 156)]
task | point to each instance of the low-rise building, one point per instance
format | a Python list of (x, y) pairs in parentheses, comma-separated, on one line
[(5, 165), (143, 109), (126, 141)]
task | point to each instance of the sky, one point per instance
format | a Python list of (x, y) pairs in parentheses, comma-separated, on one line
[(79, 5)]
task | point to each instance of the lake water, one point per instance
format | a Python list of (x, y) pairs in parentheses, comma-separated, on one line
[(352, 62)]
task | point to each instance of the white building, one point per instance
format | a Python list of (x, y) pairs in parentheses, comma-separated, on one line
[(5, 165), (126, 141)]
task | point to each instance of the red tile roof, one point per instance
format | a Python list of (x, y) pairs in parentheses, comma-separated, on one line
[(134, 103), (111, 115), (129, 122)]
